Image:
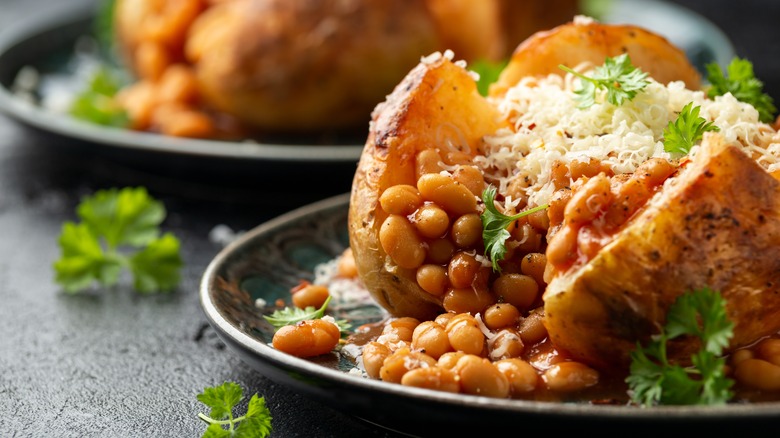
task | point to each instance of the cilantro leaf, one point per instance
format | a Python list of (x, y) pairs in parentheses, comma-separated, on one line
[(686, 130), (743, 85), (488, 71), (294, 315), (91, 250), (494, 224), (83, 260), (654, 380), (617, 76), (96, 103), (157, 266), (256, 423), (128, 216)]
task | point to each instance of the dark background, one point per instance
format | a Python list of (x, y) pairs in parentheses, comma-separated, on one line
[(113, 363)]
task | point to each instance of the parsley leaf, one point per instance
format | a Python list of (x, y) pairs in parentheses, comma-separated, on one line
[(494, 224), (256, 423), (96, 102), (294, 315), (743, 85), (621, 80), (90, 250), (686, 130), (654, 380), (488, 71)]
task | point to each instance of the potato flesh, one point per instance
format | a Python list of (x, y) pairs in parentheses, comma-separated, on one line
[(718, 226)]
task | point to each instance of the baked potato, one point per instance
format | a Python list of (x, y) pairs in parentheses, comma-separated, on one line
[(679, 228), (274, 66)]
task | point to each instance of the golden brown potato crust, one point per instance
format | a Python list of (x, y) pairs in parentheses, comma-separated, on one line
[(436, 105), (718, 226), (314, 64)]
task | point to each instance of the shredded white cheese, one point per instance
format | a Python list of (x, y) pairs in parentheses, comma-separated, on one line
[(547, 125)]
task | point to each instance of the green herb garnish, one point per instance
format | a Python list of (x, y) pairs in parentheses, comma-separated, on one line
[(97, 104), (494, 224), (112, 220), (654, 380), (743, 85), (621, 80), (294, 315), (686, 130), (488, 71), (256, 423)]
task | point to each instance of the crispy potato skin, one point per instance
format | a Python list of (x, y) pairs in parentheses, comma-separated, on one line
[(306, 65), (437, 106), (718, 226), (574, 43)]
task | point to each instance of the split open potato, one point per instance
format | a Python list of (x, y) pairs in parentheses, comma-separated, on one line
[(707, 221)]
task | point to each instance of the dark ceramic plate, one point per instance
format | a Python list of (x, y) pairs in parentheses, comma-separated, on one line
[(47, 40), (267, 261)]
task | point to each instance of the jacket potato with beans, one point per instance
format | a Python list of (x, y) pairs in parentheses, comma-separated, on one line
[(627, 226), (302, 66)]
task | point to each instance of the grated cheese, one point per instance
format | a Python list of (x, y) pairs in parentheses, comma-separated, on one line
[(547, 126)]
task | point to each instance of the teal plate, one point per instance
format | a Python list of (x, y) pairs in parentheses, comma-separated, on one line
[(267, 261)]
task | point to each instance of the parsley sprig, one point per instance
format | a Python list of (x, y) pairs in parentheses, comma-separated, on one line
[(119, 229), (742, 83), (621, 80), (96, 103), (686, 130), (489, 72), (494, 224), (256, 423), (293, 315), (654, 380)]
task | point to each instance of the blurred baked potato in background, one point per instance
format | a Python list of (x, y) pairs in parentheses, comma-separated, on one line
[(210, 68)]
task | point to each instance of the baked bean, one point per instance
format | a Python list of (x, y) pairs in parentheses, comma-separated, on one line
[(740, 355), (587, 167), (428, 161), (562, 246), (519, 290), (453, 158), (346, 267), (178, 84), (467, 300), (433, 279), (655, 171), (557, 205), (401, 361), (533, 265), (167, 22), (527, 237), (374, 355), (402, 327), (450, 359), (436, 378), (467, 230), (759, 374), (400, 199), (462, 269), (471, 177), (559, 174), (505, 344), (539, 220), (630, 196), (569, 377), (308, 338), (479, 376), (452, 196), (309, 295), (177, 120), (399, 239), (522, 377), (532, 329), (444, 318), (501, 315), (431, 221), (150, 60), (769, 350), (464, 334), (440, 251), (593, 197), (431, 338), (139, 101)]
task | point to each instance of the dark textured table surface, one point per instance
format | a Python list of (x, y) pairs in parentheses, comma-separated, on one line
[(112, 363)]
